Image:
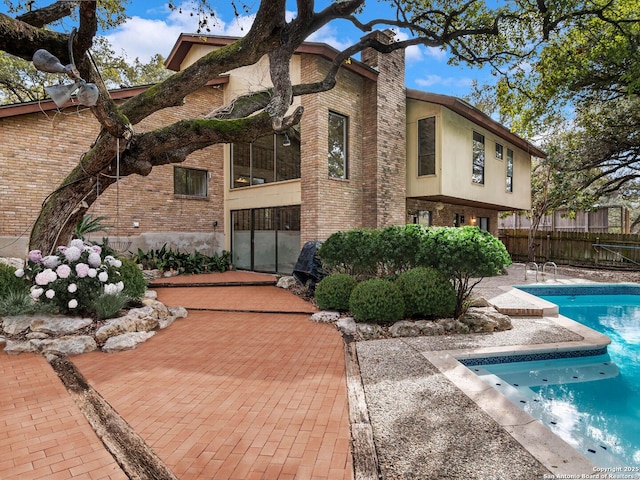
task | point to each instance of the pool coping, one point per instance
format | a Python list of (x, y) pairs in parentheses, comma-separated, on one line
[(549, 449)]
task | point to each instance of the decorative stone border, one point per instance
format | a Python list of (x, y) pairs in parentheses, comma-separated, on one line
[(63, 335)]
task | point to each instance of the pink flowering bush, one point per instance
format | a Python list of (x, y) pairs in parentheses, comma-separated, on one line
[(73, 278)]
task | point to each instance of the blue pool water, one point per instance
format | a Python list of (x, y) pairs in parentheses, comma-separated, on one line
[(592, 402)]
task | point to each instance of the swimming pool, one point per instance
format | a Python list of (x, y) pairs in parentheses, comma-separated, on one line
[(591, 399)]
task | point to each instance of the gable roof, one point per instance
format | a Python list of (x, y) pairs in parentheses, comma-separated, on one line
[(478, 117)]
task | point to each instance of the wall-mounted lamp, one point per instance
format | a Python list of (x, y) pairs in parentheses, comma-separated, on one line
[(286, 142)]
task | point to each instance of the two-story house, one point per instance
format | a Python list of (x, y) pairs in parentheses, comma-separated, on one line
[(368, 153)]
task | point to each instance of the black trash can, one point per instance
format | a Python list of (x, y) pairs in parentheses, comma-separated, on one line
[(308, 269)]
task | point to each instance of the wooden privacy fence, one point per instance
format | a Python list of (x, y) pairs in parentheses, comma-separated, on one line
[(575, 248)]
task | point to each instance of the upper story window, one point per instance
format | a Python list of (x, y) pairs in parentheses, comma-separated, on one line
[(338, 144), (272, 158), (499, 151), (509, 170), (478, 158), (427, 146), (190, 181)]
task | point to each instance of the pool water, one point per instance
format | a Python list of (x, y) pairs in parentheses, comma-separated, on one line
[(593, 402)]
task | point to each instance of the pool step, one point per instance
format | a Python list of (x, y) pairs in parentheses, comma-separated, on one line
[(517, 303), (581, 371)]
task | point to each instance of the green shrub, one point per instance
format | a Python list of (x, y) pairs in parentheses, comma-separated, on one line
[(333, 292), (376, 300), (108, 306), (17, 302), (354, 252), (134, 282), (465, 255), (9, 282), (398, 246), (427, 293)]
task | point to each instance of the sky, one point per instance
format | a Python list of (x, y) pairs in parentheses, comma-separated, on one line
[(153, 29)]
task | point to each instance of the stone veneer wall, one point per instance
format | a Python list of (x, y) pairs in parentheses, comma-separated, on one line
[(40, 149)]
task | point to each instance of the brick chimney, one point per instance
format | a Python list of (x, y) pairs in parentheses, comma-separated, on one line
[(384, 137)]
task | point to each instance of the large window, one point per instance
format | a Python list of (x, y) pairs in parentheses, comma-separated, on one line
[(427, 146), (509, 170), (338, 128), (478, 158), (272, 158), (190, 181)]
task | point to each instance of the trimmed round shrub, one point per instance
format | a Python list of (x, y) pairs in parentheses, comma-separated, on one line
[(427, 293), (9, 282), (377, 301), (134, 282), (333, 292)]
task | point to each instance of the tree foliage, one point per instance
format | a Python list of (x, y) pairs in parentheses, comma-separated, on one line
[(473, 31)]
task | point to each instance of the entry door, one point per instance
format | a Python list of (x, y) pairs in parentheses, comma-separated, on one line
[(266, 239)]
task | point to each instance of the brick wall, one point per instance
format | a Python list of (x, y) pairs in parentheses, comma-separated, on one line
[(38, 150), (443, 214), (385, 137), (330, 204)]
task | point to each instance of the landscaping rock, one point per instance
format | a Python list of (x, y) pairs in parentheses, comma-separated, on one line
[(115, 327), (347, 326), (325, 317), (370, 331), (16, 347), (286, 282), (16, 324), (404, 328), (59, 325), (13, 262), (178, 312), (485, 319), (126, 341), (429, 327), (69, 345)]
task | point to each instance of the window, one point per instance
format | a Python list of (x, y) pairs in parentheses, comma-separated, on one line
[(189, 181), (338, 125), (509, 170), (427, 146), (478, 158), (272, 158), (483, 223), (421, 217), (499, 151)]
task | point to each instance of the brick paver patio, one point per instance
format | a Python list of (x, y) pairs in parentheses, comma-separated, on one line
[(218, 395)]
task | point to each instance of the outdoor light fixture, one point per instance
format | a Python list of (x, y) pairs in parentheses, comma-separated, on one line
[(87, 92), (286, 142)]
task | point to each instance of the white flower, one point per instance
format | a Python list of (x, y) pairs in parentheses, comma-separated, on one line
[(93, 273), (78, 243), (36, 292), (103, 277), (51, 261), (50, 294), (72, 288), (72, 254), (97, 249), (73, 303), (120, 286), (19, 273), (94, 259), (46, 276), (63, 271), (110, 289)]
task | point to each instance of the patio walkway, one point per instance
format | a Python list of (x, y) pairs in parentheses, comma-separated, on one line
[(226, 393)]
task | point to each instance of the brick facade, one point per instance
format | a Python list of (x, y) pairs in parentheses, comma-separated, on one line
[(38, 149)]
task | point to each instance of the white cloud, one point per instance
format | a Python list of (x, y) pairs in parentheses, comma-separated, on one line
[(143, 37), (438, 80), (329, 35)]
